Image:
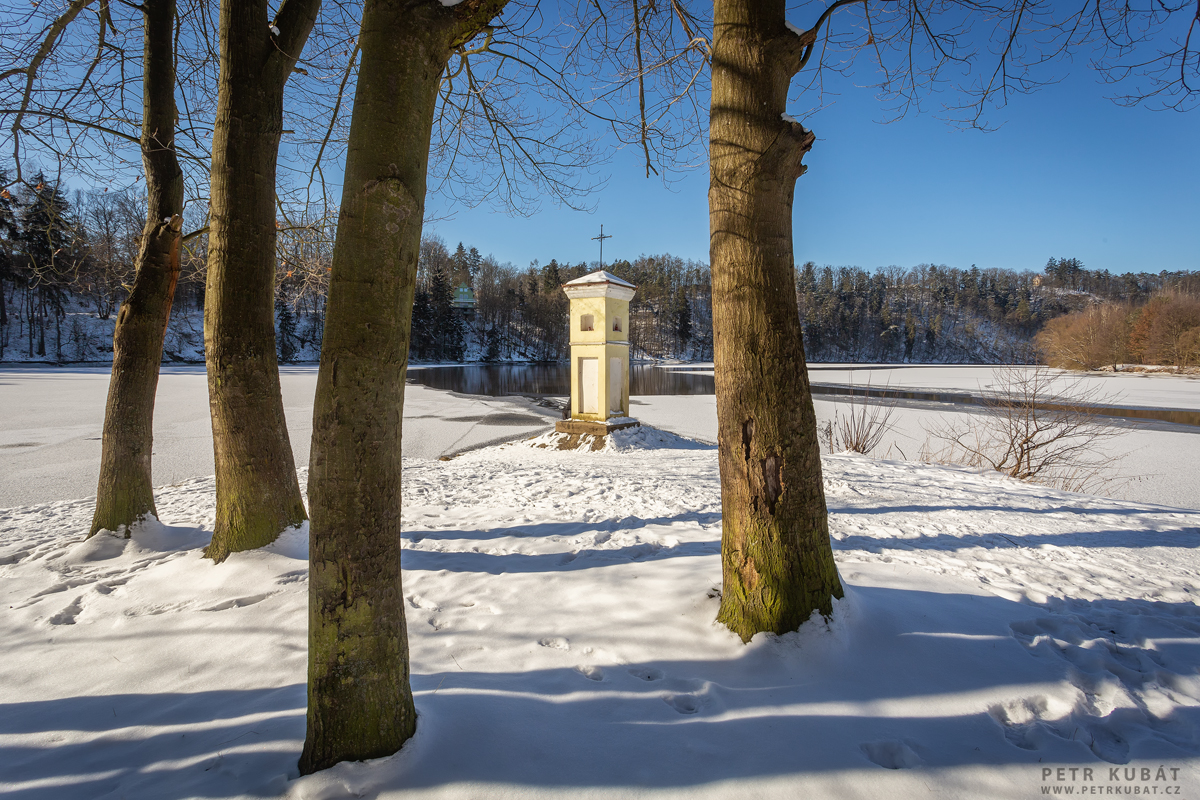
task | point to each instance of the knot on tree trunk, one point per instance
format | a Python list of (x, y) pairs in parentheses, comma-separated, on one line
[(785, 156)]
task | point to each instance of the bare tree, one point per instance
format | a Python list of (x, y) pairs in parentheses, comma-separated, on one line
[(126, 492), (72, 95), (777, 562), (776, 558), (71, 89), (360, 701), (113, 222), (1035, 425), (1086, 339), (257, 491)]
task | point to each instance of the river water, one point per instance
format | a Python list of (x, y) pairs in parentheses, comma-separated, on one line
[(499, 380)]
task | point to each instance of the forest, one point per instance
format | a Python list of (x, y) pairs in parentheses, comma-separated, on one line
[(66, 264)]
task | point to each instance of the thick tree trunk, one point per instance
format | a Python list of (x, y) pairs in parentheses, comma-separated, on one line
[(257, 491), (360, 703), (125, 493), (776, 558)]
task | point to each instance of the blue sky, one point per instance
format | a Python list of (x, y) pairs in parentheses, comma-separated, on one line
[(1069, 174)]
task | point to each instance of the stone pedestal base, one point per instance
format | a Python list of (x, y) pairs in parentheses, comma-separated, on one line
[(581, 426)]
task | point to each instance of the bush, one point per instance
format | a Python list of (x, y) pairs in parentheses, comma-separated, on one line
[(1036, 426)]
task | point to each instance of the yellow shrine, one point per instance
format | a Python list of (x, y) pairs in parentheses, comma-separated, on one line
[(599, 353)]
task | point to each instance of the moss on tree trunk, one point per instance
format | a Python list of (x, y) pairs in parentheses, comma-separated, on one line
[(776, 557)]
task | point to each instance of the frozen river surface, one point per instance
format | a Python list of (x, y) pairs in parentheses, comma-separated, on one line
[(51, 424)]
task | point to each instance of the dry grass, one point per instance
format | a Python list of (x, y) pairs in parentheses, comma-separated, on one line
[(861, 428)]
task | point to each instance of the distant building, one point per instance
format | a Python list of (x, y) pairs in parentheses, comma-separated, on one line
[(464, 298)]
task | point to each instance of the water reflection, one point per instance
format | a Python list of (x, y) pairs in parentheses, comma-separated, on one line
[(497, 380)]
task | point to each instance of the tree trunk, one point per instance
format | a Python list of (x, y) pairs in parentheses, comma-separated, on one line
[(359, 700), (257, 491), (125, 493), (776, 558)]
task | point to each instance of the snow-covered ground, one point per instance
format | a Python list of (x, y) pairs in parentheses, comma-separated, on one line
[(996, 638), (1125, 389), (53, 417), (1151, 462)]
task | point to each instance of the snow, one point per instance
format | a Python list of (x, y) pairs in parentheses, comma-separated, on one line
[(600, 276), (560, 615), (54, 416), (1126, 389), (1150, 462), (50, 431)]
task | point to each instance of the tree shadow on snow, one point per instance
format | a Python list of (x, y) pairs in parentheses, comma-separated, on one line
[(1016, 539), (1084, 511), (909, 679), (160, 745), (589, 558), (899, 689), (564, 529)]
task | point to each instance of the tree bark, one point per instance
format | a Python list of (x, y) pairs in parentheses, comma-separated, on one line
[(360, 703), (776, 558), (125, 493), (258, 494)]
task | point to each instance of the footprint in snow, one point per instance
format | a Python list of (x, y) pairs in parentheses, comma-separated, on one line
[(590, 672), (238, 602), (416, 601), (67, 615), (891, 754), (1123, 684), (647, 673), (295, 576), (14, 557), (555, 642), (683, 703)]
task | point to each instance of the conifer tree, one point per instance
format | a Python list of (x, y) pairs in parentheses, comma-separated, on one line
[(421, 338), (682, 318), (48, 247), (287, 328), (8, 236), (474, 261), (446, 325)]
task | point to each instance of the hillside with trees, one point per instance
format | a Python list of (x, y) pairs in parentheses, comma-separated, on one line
[(66, 263)]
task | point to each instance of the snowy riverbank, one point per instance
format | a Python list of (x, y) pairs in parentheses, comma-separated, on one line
[(561, 620), (52, 420)]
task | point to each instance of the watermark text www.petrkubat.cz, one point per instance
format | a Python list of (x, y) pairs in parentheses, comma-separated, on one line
[(1160, 781)]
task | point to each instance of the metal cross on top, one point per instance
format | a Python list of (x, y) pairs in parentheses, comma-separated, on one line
[(601, 238)]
